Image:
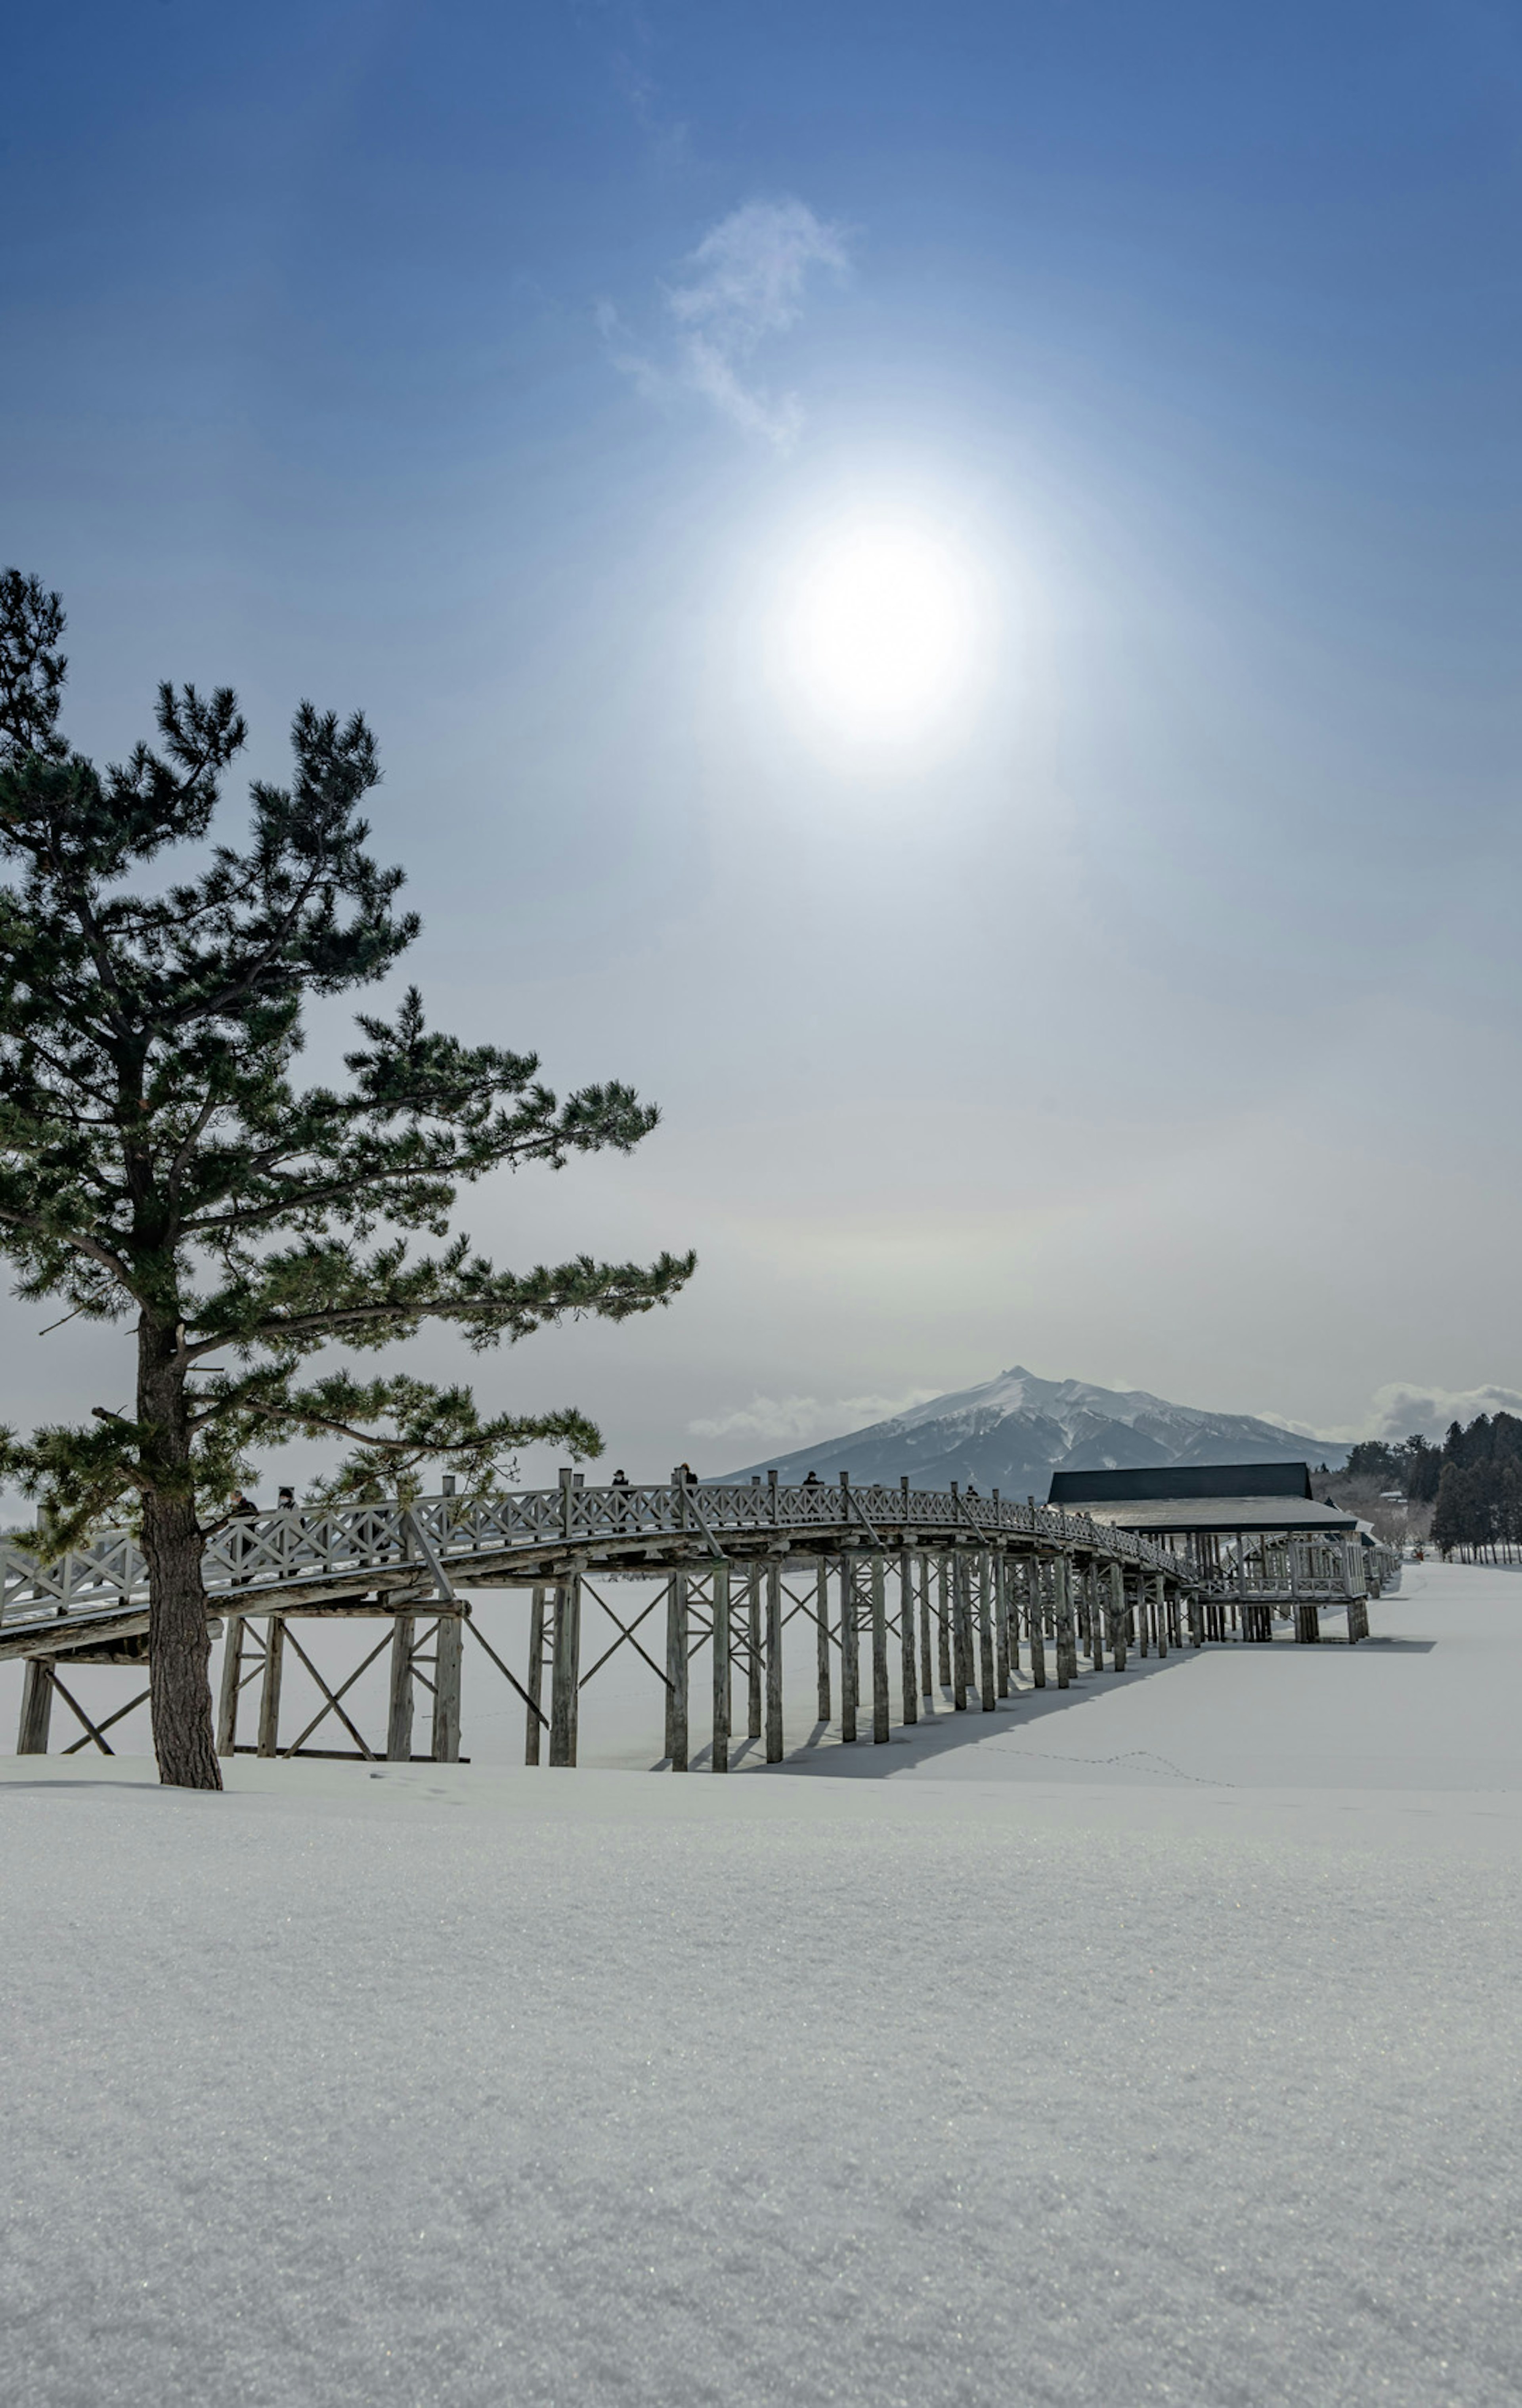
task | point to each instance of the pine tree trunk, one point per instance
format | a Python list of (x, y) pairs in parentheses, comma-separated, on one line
[(178, 1648)]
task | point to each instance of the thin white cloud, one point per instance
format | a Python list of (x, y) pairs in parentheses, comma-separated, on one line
[(746, 281), (798, 1419)]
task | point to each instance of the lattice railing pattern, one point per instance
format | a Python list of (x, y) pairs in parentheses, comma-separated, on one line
[(265, 1552)]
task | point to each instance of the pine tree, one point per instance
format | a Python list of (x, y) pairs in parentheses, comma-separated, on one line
[(160, 1165)]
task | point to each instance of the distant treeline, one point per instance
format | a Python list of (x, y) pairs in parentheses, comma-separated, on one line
[(1472, 1482)]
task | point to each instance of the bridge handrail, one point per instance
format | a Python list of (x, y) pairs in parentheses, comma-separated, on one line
[(265, 1552)]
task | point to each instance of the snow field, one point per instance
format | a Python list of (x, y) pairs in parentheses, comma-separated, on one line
[(468, 2086)]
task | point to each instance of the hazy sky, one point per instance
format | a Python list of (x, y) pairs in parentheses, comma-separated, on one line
[(939, 588)]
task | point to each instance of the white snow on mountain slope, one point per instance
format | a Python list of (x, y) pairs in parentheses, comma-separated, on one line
[(1013, 1431), (458, 2088)]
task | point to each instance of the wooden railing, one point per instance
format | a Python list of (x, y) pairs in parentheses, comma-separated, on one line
[(261, 1555)]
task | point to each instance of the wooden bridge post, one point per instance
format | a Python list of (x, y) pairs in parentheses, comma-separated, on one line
[(676, 1671), (986, 1632), (753, 1646), (943, 1617), (880, 1650), (822, 1637), (1035, 1585), (927, 1663), (269, 1688), (1093, 1581), (960, 1651), (1001, 1622), (1160, 1591), (719, 1760), (400, 1717), (565, 1670), (229, 1687), (1065, 1642), (1078, 1592), (449, 1652), (909, 1684), (774, 1661), (532, 1725), (850, 1659), (1142, 1588), (1117, 1614), (37, 1707)]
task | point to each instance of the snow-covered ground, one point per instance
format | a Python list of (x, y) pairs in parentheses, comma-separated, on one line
[(1158, 2044)]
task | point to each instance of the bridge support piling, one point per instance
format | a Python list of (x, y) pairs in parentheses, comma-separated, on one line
[(399, 1718), (449, 1651), (985, 1634), (908, 1686), (229, 1685), (565, 1670), (943, 1620), (532, 1725), (822, 1702), (269, 1687), (676, 1671), (928, 1637), (1117, 1577), (774, 1662), (1001, 1623), (1159, 1590), (719, 1760), (881, 1706), (1035, 1619), (1061, 1617), (752, 1654), (37, 1707), (960, 1650), (850, 1655)]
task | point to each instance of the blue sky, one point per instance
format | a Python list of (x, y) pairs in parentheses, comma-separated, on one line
[(1154, 1017)]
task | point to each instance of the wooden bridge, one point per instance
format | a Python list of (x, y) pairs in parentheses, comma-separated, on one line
[(944, 1591)]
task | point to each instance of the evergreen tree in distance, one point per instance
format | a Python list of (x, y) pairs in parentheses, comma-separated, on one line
[(160, 1166)]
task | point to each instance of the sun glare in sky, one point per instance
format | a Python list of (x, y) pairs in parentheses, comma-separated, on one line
[(882, 628)]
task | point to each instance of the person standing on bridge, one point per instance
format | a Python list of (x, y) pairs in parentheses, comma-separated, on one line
[(240, 1543)]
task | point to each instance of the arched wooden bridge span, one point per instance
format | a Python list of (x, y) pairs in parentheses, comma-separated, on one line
[(912, 1596)]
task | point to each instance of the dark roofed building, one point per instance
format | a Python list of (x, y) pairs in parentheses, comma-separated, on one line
[(1254, 1534), (1168, 1480)]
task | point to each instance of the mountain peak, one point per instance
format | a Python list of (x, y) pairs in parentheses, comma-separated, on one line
[(1012, 1432)]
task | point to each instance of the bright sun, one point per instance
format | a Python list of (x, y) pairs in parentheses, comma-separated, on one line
[(881, 629)]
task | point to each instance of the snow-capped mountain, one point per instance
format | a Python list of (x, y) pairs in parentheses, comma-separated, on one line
[(1013, 1432)]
